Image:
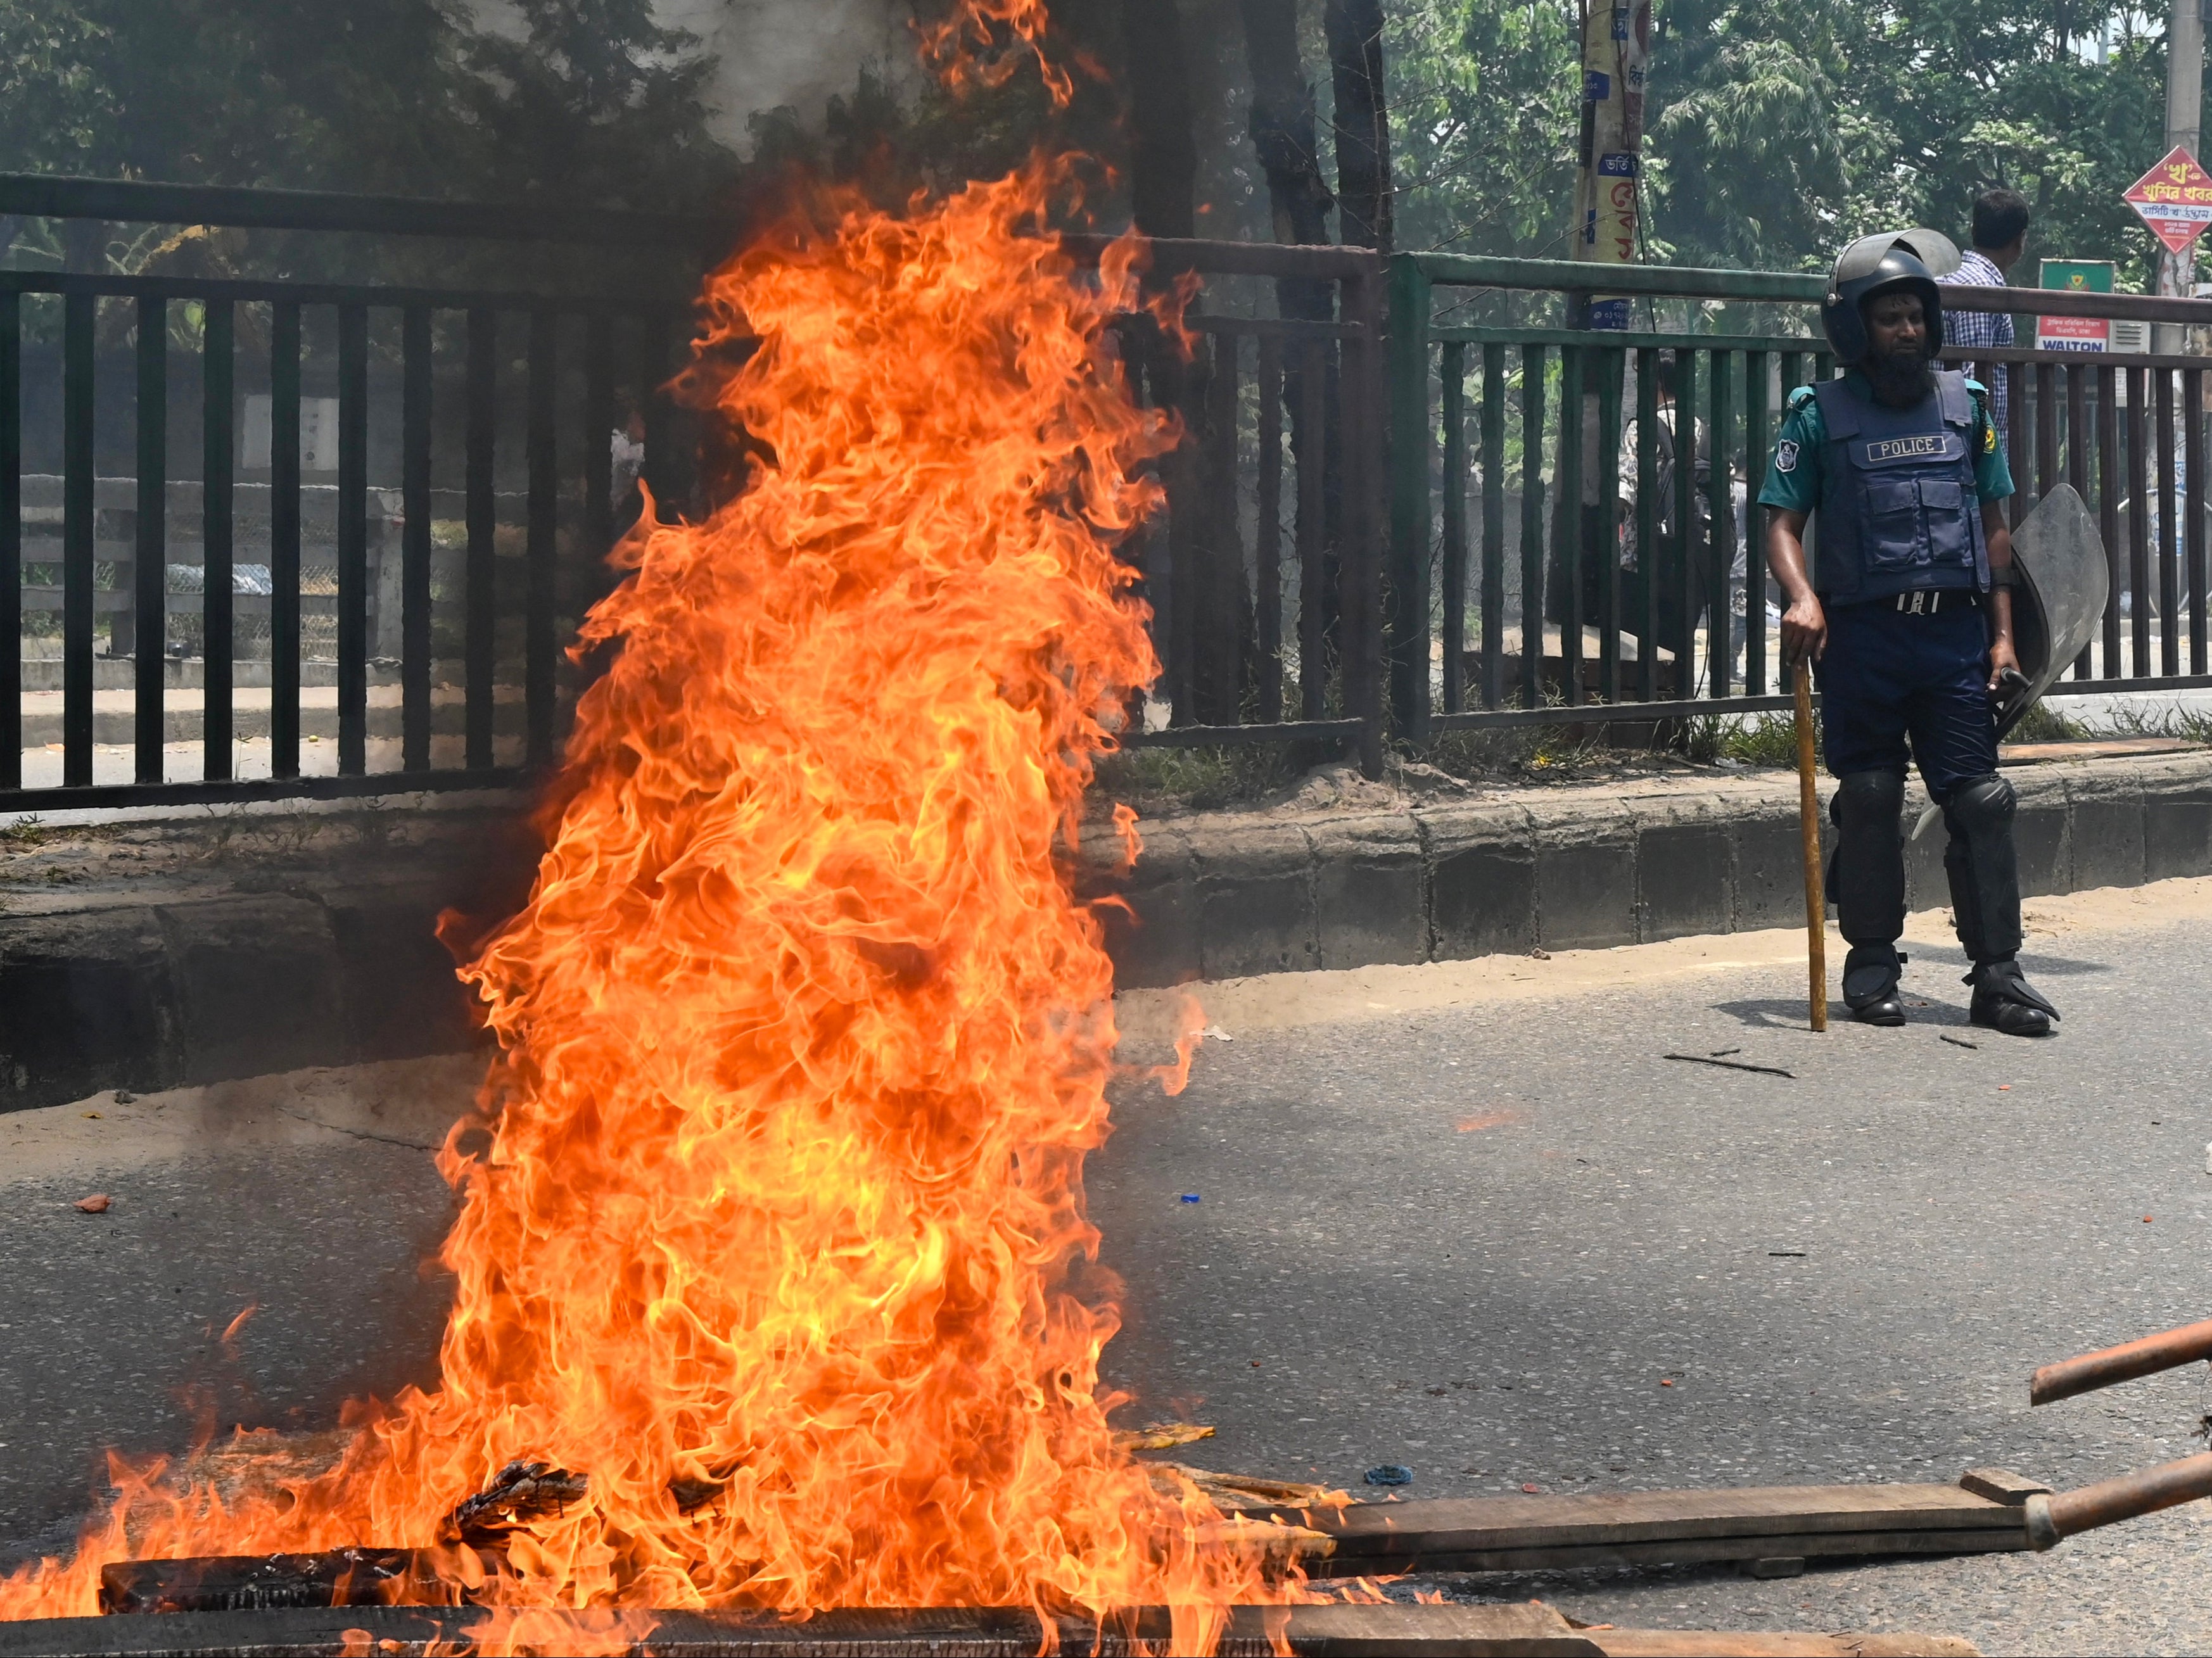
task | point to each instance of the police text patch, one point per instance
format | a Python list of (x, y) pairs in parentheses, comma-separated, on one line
[(1785, 455), (1932, 445)]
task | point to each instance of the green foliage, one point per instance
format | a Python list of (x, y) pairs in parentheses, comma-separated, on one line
[(2043, 723), (1485, 98), (589, 98), (1764, 740), (52, 102), (1777, 133), (1198, 780), (595, 102)]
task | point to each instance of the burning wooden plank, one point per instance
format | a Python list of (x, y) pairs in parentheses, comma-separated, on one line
[(1530, 1629), (258, 1582)]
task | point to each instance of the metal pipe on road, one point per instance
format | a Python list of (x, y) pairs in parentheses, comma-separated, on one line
[(2123, 1363), (2052, 1518)]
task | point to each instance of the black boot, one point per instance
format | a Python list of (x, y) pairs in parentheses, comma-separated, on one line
[(2005, 1001), (1870, 975), (1866, 879)]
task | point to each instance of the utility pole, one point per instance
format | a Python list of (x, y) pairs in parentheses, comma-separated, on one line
[(2185, 103)]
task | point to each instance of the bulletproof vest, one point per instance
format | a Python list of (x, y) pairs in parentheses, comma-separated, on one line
[(1898, 508)]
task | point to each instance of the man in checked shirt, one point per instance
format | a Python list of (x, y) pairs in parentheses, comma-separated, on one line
[(2000, 237)]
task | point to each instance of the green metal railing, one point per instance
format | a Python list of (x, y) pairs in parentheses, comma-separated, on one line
[(1533, 497)]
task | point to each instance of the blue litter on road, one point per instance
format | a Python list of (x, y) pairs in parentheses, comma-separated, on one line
[(1190, 1196), (1390, 1474)]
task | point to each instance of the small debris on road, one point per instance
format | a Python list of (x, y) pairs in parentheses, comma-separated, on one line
[(1786, 1254), (1957, 1041), (1487, 1120), (124, 1096), (1214, 1033), (1531, 1490), (94, 1205), (1161, 1435), (1733, 1064), (92, 1113), (1390, 1474), (1666, 1382), (1540, 955), (1722, 1052), (1187, 1197)]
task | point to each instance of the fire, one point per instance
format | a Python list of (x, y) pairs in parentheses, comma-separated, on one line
[(773, 1225)]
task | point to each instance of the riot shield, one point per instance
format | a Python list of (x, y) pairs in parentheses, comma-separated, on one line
[(2058, 596)]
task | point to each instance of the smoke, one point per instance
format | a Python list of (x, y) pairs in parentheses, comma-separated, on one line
[(795, 54)]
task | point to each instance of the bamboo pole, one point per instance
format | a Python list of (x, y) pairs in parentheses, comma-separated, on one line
[(1808, 824)]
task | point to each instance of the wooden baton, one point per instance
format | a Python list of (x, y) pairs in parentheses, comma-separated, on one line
[(1808, 824)]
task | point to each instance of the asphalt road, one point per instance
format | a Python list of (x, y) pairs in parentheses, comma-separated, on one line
[(1509, 1243), (1474, 1238)]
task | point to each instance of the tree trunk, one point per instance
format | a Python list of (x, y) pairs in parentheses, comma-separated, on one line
[(1163, 153), (1354, 29), (1163, 182), (1282, 128)]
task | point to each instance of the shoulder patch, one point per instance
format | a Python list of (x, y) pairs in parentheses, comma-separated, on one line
[(1785, 455)]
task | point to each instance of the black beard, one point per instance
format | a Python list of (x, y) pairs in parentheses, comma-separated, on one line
[(1902, 378)]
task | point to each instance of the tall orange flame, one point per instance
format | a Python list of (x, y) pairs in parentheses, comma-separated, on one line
[(804, 1038)]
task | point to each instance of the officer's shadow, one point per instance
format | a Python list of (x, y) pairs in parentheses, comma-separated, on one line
[(1788, 1013)]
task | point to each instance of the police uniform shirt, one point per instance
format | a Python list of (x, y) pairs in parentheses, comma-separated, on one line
[(1793, 475)]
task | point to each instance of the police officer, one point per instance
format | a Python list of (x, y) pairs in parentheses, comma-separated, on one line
[(1908, 620)]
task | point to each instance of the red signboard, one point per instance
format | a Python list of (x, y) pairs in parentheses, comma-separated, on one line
[(2175, 199)]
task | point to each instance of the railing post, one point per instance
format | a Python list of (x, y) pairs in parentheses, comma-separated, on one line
[(1366, 407), (353, 540), (149, 615), (415, 724), (284, 541), (541, 648), (1455, 505), (11, 541), (218, 572), (1410, 443), (80, 316)]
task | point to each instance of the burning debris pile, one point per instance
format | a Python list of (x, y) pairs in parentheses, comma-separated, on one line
[(764, 1290)]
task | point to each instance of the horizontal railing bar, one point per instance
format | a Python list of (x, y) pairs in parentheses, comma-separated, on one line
[(2181, 682), (1275, 327), (2016, 354), (268, 788), (1603, 714), (1780, 287), (38, 195), (1202, 737), (1686, 281), (1605, 340), (246, 291), (1607, 713), (1176, 254)]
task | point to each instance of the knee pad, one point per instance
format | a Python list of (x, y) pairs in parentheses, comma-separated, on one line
[(1981, 806), (1866, 877), (1983, 871)]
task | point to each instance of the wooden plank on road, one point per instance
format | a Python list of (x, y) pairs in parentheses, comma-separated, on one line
[(1524, 1533)]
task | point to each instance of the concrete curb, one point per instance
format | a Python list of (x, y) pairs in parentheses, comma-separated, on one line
[(164, 953), (325, 952), (163, 996), (1228, 894)]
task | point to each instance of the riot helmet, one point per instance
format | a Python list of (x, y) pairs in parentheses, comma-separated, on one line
[(1907, 259)]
